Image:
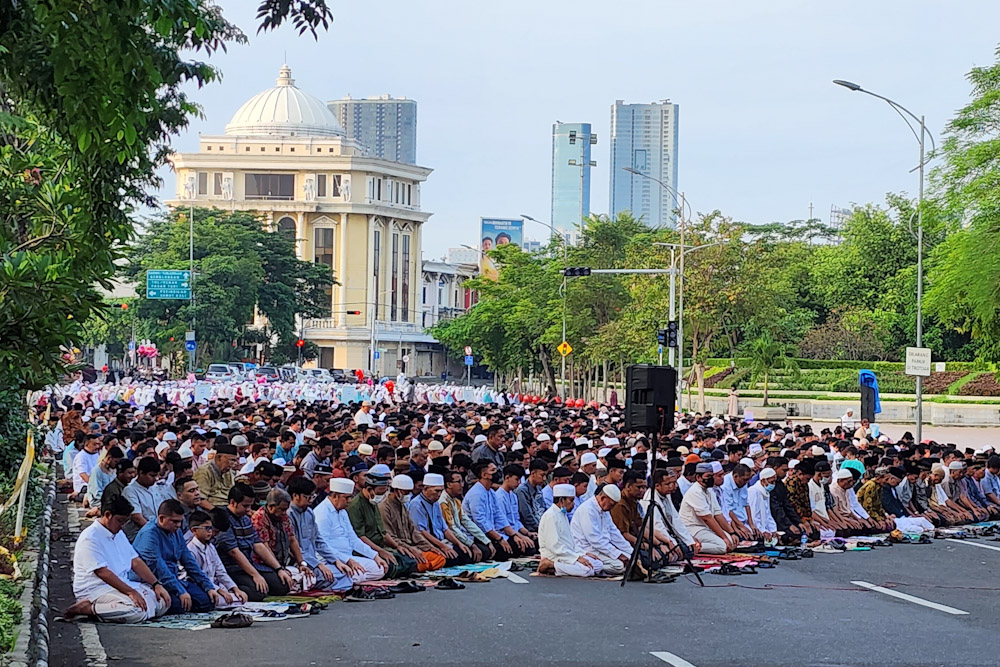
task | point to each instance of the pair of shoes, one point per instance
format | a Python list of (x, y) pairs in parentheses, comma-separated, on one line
[(789, 555), (361, 594), (660, 578), (233, 621), (472, 577), (407, 587), (727, 570), (448, 584)]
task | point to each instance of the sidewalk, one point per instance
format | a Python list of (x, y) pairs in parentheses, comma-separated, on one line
[(66, 640)]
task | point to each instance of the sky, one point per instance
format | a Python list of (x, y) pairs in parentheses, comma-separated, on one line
[(763, 131)]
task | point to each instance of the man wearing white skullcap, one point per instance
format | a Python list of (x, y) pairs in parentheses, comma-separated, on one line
[(759, 502), (588, 466), (560, 554), (341, 542), (400, 527), (595, 532), (700, 511), (425, 511)]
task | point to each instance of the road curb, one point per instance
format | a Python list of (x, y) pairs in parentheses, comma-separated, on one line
[(32, 646)]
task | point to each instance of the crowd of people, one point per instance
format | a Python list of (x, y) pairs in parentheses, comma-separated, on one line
[(206, 506)]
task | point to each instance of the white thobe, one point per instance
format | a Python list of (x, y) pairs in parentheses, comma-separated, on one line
[(595, 532), (672, 516), (556, 543), (760, 508)]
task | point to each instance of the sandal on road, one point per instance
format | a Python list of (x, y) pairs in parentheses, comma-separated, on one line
[(233, 621)]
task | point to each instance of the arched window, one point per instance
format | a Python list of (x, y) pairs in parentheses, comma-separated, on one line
[(286, 227)]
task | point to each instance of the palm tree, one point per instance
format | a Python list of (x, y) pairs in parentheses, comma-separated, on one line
[(767, 355)]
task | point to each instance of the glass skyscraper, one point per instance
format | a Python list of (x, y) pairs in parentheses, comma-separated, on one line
[(385, 126), (571, 166), (644, 138)]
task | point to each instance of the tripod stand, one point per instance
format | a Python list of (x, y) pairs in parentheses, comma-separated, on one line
[(646, 529)]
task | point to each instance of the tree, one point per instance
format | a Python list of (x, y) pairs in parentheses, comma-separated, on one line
[(240, 268), (90, 96), (849, 334), (964, 278), (767, 355)]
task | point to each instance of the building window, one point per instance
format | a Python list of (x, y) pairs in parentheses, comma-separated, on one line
[(405, 270), (292, 149), (203, 182), (270, 186), (378, 189), (323, 254), (395, 277), (321, 185), (209, 148), (335, 181), (247, 149), (217, 183), (286, 227)]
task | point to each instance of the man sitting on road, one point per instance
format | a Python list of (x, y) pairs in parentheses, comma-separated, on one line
[(103, 561), (664, 485), (203, 528), (759, 503), (735, 502), (482, 506), (339, 539), (506, 498), (560, 554), (249, 562), (425, 511), (328, 575), (459, 523), (400, 527), (161, 545), (595, 532), (701, 513), (628, 519), (366, 519)]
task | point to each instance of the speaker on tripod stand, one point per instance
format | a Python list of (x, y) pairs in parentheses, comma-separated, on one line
[(650, 397)]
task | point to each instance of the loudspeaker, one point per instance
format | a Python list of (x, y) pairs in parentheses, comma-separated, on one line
[(650, 395)]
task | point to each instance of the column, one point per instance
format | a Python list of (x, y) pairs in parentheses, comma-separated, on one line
[(340, 304)]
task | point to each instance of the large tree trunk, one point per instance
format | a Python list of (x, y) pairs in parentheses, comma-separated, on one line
[(765, 390), (548, 370)]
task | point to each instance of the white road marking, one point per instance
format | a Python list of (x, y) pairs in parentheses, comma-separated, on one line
[(671, 659), (974, 544), (516, 579), (92, 646), (910, 598)]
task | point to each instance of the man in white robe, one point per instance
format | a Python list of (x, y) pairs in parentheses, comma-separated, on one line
[(595, 533), (664, 484), (341, 541), (759, 499), (560, 554)]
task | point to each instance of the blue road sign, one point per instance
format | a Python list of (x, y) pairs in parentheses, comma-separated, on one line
[(378, 355), (660, 349), (468, 360), (190, 345), (131, 346), (162, 284)]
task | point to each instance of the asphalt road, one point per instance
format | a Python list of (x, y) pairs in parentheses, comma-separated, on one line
[(801, 613)]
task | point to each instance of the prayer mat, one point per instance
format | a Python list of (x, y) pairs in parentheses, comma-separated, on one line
[(204, 621), (472, 567), (552, 576), (300, 598)]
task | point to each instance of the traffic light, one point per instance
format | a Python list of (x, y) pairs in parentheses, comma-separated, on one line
[(300, 343), (661, 336), (672, 333), (576, 271), (353, 312)]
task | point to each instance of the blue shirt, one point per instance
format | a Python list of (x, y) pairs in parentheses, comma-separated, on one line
[(547, 497), (68, 455), (285, 454), (427, 516), (482, 506), (991, 484), (162, 552), (304, 525), (240, 535), (975, 493), (508, 507), (734, 498)]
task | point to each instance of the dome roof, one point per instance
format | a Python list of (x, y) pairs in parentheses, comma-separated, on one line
[(284, 111)]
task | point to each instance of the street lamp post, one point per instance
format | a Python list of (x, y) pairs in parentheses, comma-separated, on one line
[(901, 110), (680, 319), (562, 289), (190, 189)]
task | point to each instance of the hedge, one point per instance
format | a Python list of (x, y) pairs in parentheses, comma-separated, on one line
[(877, 366)]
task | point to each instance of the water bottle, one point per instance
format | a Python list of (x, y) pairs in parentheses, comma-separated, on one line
[(805, 539)]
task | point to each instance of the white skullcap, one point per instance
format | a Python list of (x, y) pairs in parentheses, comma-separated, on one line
[(954, 465), (365, 449), (588, 458), (768, 473), (543, 414), (543, 437), (435, 446), (185, 451), (478, 439), (612, 491), (239, 440), (683, 450), (603, 451), (443, 432), (844, 473), (716, 467), (169, 437), (611, 441), (430, 479), (818, 451), (309, 434), (404, 482), (747, 462), (516, 447), (755, 448), (279, 461), (582, 441), (341, 485), (792, 464), (563, 491), (162, 447)]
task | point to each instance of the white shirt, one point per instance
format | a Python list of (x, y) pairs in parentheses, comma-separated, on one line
[(362, 417), (857, 507), (594, 531), (334, 526), (83, 463), (698, 502), (760, 508), (683, 484), (847, 422), (555, 538), (675, 520), (817, 499), (95, 548)]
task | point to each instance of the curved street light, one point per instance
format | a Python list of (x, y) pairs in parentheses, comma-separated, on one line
[(919, 136)]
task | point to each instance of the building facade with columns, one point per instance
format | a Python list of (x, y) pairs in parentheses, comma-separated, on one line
[(285, 156)]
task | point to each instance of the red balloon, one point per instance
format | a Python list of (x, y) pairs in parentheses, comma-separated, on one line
[(579, 402), (557, 399), (390, 385), (594, 404)]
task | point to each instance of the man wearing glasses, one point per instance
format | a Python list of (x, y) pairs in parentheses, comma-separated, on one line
[(202, 526)]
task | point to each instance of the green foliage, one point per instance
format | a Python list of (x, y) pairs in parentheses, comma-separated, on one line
[(240, 266), (767, 355)]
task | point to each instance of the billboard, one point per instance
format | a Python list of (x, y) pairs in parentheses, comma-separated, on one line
[(494, 232)]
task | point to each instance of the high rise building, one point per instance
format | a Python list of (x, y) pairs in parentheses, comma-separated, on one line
[(644, 138), (571, 166), (385, 126)]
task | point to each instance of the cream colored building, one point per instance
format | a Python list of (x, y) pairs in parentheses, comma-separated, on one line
[(285, 156)]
